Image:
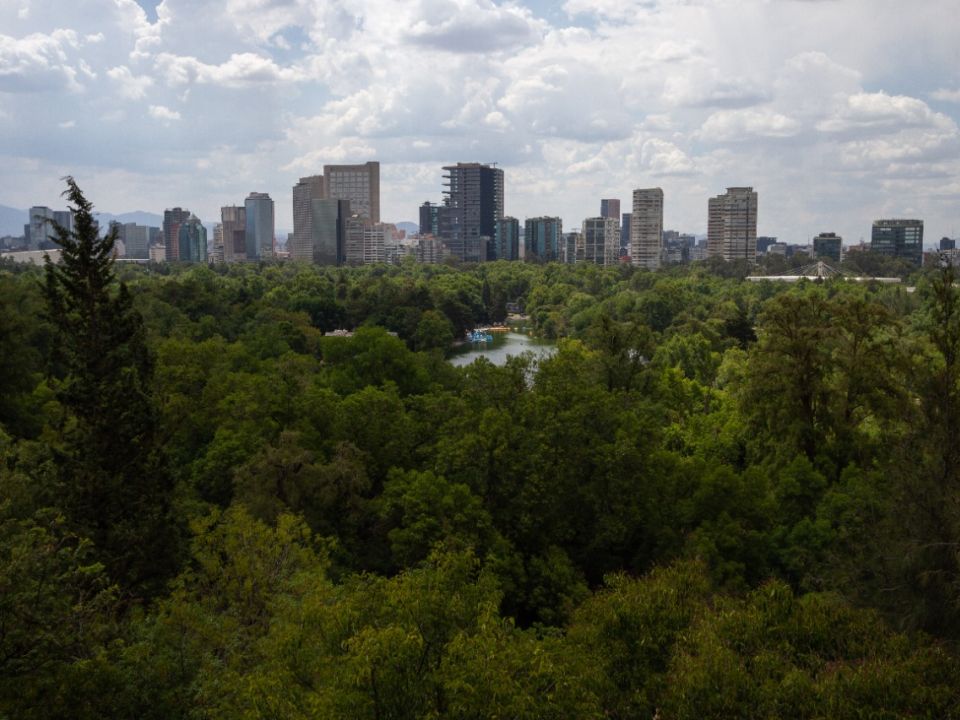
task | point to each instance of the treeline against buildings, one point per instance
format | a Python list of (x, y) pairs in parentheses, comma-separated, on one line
[(716, 499)]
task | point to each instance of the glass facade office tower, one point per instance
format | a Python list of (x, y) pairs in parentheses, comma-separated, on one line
[(610, 208), (732, 225), (260, 227), (898, 238), (430, 219), (646, 228), (328, 226), (136, 240), (828, 246), (473, 202), (507, 239), (192, 241), (542, 238), (601, 240)]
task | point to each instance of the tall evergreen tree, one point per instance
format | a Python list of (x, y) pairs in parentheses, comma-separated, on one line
[(113, 484)]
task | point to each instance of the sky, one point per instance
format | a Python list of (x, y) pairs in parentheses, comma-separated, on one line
[(837, 112)]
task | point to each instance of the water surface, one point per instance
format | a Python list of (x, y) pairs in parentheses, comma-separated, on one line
[(503, 346)]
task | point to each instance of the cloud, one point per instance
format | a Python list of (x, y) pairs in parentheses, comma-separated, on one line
[(38, 62), (161, 112), (242, 69), (880, 111), (661, 157), (131, 86), (473, 26), (747, 124), (945, 95), (708, 88)]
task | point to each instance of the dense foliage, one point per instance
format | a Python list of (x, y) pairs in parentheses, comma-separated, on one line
[(716, 499)]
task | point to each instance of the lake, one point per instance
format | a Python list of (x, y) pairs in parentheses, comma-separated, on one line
[(503, 346)]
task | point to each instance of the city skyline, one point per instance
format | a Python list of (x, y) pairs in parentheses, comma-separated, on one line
[(825, 107)]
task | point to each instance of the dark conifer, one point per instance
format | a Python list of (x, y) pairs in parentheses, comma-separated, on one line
[(114, 487)]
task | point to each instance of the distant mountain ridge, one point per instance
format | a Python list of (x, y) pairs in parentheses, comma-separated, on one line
[(12, 221)]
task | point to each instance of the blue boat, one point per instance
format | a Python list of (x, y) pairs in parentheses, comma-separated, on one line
[(478, 336)]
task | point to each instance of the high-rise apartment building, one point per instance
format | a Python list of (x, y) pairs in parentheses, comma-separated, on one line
[(542, 239), (601, 240), (304, 193), (572, 247), (610, 208), (172, 219), (360, 184), (507, 239), (365, 243), (646, 228), (732, 225), (192, 240), (218, 255), (233, 218), (429, 249), (473, 202), (260, 226), (828, 246), (898, 238)]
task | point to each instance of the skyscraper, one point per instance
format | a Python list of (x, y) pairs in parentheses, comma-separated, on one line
[(218, 254), (507, 239), (601, 240), (172, 218), (542, 238), (260, 227), (329, 227), (625, 230), (646, 228), (898, 238), (360, 184), (136, 240), (430, 219), (473, 202), (732, 225), (234, 221), (192, 240), (304, 193), (610, 208)]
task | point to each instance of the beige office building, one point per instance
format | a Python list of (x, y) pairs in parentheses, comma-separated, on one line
[(732, 225), (233, 231), (360, 184), (646, 228)]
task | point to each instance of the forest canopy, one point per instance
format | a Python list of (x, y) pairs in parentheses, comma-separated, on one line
[(717, 498)]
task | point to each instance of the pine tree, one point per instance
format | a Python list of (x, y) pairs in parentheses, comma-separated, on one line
[(113, 485)]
